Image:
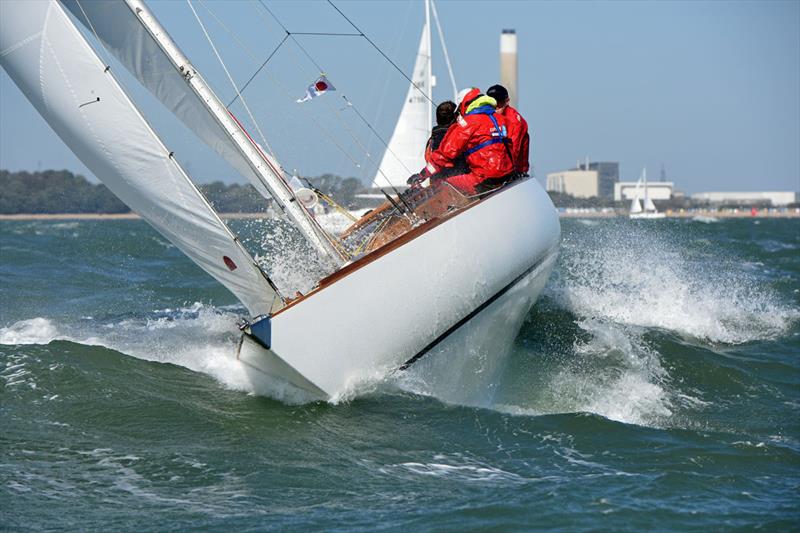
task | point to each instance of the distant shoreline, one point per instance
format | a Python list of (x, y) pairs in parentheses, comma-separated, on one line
[(572, 214)]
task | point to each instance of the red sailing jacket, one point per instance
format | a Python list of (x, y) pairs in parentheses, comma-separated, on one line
[(520, 140), (476, 127)]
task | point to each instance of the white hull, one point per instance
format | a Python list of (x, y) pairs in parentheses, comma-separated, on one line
[(647, 215), (409, 301)]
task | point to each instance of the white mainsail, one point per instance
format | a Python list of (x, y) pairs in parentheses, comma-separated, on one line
[(62, 76), (130, 32), (405, 153)]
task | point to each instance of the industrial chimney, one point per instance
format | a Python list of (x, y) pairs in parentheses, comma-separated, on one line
[(508, 64)]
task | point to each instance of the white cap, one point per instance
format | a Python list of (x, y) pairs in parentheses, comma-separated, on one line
[(461, 94)]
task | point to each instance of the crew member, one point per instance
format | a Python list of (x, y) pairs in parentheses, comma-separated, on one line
[(480, 134), (445, 118), (517, 129)]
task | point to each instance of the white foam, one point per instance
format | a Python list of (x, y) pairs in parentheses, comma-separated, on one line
[(33, 331), (458, 467), (612, 373), (199, 337), (641, 278), (705, 219)]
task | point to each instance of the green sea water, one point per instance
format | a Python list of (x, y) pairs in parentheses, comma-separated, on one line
[(655, 385)]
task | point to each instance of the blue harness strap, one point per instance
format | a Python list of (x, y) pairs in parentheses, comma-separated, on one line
[(484, 144), (501, 138)]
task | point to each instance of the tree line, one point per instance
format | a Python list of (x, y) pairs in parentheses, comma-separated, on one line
[(61, 191)]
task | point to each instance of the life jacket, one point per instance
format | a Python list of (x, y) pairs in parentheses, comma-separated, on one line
[(486, 105)]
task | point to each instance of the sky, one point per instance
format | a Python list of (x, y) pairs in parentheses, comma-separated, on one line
[(709, 90)]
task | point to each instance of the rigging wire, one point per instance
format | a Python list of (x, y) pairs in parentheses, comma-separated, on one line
[(264, 64), (230, 78), (287, 35), (246, 50), (102, 44), (318, 229), (376, 47), (348, 103), (311, 116)]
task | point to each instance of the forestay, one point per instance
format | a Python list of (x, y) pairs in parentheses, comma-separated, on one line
[(62, 76)]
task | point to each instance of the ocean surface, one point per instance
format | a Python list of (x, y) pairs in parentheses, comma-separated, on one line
[(654, 386)]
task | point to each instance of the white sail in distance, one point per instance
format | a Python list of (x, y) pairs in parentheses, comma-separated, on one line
[(636, 204), (65, 80), (405, 153), (131, 33)]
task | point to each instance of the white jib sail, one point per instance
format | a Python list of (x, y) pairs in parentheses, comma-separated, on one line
[(142, 50), (68, 84), (636, 204), (405, 153)]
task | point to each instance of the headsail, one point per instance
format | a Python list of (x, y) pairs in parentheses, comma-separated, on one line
[(636, 203), (137, 40), (405, 153), (62, 76)]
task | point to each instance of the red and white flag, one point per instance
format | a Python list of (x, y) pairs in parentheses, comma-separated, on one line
[(321, 86)]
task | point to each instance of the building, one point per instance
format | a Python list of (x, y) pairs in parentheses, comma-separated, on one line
[(586, 180), (771, 198), (577, 183), (656, 190)]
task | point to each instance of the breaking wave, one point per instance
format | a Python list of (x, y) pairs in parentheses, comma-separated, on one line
[(642, 278), (617, 296), (199, 337)]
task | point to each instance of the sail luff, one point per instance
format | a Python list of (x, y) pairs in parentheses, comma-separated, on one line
[(405, 153), (133, 34), (63, 77), (428, 67)]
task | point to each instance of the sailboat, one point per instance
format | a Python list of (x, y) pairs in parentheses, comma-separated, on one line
[(404, 281), (404, 153), (648, 211)]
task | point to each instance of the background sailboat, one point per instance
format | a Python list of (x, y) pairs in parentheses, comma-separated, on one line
[(648, 210), (404, 153)]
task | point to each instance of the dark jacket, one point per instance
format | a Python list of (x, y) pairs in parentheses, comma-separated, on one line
[(460, 162)]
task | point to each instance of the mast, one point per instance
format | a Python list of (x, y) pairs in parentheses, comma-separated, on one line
[(264, 169), (444, 49), (644, 178), (428, 71)]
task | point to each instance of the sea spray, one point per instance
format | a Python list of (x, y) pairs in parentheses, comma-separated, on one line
[(652, 277)]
